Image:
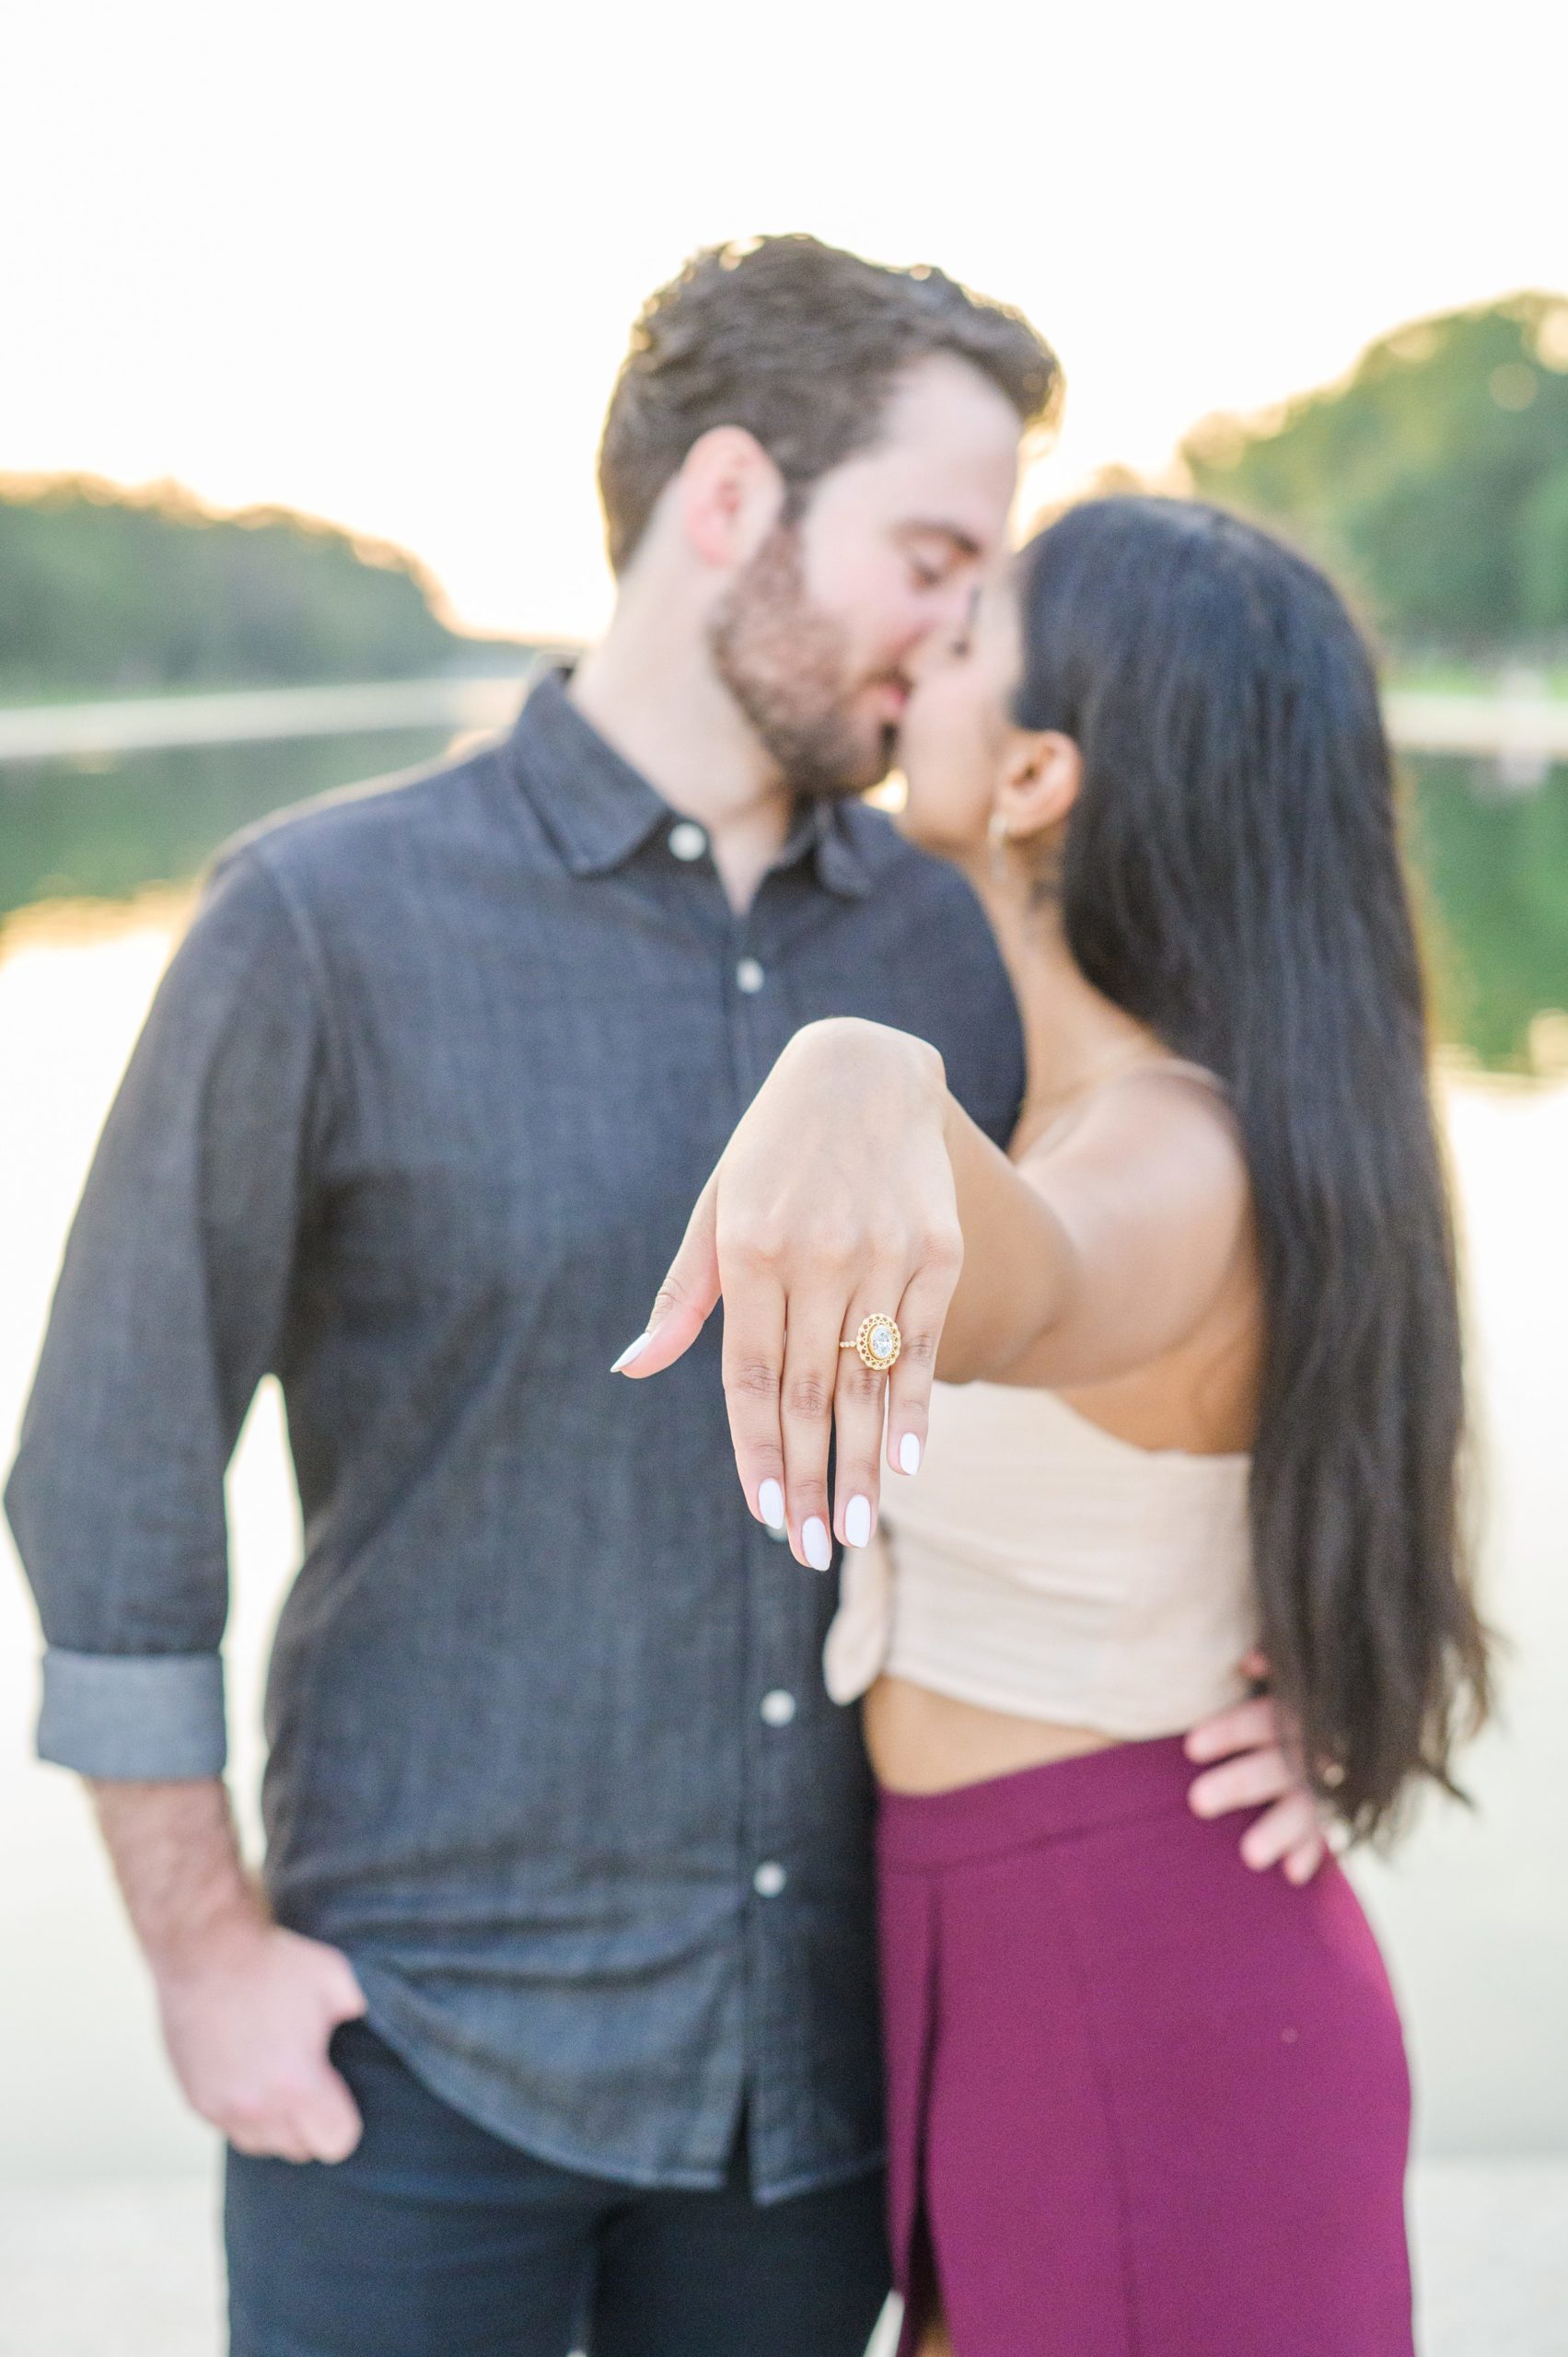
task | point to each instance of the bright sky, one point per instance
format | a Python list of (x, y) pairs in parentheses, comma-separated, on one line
[(378, 261)]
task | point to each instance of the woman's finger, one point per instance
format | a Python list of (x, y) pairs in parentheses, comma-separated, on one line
[(1304, 1860), (1243, 1783), (753, 1380), (922, 1314), (686, 1299), (860, 1415), (1279, 1830), (816, 1320), (1244, 1727)]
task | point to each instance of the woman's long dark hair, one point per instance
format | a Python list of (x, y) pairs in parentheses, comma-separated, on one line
[(1231, 876)]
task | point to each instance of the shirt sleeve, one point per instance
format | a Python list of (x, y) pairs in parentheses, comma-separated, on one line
[(170, 1302)]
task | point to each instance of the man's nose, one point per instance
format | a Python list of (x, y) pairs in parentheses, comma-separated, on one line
[(956, 596), (944, 621), (932, 651)]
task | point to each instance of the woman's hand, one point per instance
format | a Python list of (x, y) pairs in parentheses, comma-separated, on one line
[(1261, 1764), (834, 1201)]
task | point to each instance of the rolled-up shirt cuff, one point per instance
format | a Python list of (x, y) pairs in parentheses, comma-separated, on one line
[(134, 1716)]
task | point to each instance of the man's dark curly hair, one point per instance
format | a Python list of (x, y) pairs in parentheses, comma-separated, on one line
[(799, 344)]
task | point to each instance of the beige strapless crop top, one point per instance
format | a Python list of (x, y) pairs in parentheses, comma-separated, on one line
[(1039, 1565)]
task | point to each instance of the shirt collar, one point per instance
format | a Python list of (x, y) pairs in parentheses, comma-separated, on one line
[(598, 810), (595, 808), (830, 828)]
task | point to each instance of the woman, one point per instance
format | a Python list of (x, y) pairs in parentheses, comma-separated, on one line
[(1140, 2101)]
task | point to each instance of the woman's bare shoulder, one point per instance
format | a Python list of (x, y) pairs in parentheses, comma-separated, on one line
[(1151, 1189)]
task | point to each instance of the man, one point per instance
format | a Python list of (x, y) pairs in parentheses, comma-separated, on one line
[(567, 1849)]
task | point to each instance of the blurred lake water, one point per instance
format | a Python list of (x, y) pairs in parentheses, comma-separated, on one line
[(96, 872), (1488, 838), (105, 827)]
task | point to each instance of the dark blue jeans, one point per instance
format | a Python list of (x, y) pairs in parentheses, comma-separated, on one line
[(436, 2239)]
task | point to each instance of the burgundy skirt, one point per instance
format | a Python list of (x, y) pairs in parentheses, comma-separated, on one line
[(1143, 2101)]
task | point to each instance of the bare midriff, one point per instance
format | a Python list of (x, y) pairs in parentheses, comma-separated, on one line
[(923, 1742)]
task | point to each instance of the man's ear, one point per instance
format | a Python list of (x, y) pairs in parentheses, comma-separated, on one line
[(1042, 771), (730, 494)]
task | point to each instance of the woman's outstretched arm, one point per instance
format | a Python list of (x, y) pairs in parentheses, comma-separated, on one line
[(856, 1185)]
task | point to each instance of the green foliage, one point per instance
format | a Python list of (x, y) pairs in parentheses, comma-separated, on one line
[(1434, 478), (103, 590), (1491, 868)]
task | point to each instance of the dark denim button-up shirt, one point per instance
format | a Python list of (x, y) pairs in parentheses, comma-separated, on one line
[(416, 1122)]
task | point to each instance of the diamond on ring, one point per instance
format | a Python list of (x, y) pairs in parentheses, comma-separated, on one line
[(878, 1343)]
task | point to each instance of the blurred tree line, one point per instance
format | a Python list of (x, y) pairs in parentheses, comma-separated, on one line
[(1433, 480), (103, 590)]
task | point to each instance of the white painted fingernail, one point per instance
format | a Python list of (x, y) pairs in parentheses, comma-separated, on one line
[(818, 1545), (770, 1505), (629, 1352), (909, 1454), (857, 1523)]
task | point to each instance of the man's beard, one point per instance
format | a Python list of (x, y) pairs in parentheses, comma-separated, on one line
[(787, 664)]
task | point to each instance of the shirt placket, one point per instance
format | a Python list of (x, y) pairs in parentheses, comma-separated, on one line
[(756, 957), (781, 1594)]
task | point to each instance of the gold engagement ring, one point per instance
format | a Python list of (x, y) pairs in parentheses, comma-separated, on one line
[(878, 1343)]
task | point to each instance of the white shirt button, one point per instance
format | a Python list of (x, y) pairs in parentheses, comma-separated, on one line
[(778, 1707), (769, 1879), (688, 840), (750, 977)]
